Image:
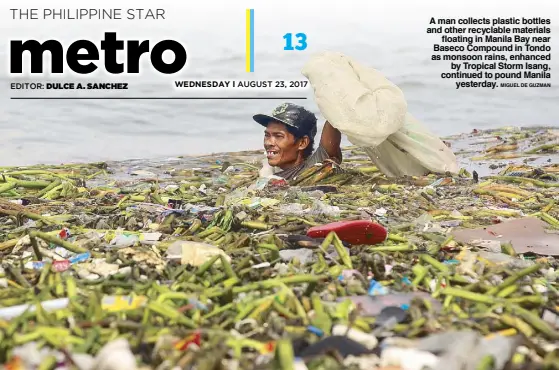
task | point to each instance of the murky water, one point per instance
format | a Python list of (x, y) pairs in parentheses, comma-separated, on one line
[(54, 131)]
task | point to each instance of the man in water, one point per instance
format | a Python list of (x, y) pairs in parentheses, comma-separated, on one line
[(289, 140)]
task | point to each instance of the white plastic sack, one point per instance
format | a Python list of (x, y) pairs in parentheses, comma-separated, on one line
[(356, 100), (413, 150), (372, 112)]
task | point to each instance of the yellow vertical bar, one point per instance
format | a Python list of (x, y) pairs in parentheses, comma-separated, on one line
[(248, 40)]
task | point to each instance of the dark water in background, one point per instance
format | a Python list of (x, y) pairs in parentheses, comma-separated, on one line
[(91, 130)]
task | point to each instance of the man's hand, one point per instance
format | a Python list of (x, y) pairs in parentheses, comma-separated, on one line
[(330, 141)]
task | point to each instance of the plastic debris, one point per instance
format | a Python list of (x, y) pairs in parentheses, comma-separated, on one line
[(192, 253), (188, 263)]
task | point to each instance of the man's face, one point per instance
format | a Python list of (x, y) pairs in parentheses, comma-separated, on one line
[(282, 150)]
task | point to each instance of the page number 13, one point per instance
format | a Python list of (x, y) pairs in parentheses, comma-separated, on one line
[(301, 41)]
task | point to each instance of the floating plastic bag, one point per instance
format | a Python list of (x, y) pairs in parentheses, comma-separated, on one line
[(115, 355), (414, 151), (124, 240), (122, 303), (194, 253), (372, 112), (8, 313)]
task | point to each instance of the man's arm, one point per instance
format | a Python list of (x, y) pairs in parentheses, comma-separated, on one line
[(330, 141)]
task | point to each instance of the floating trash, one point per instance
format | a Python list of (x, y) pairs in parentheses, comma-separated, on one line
[(204, 263)]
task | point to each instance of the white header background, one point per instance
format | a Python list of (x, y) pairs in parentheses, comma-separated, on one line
[(389, 36)]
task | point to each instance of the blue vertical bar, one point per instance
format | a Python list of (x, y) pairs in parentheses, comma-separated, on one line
[(252, 40)]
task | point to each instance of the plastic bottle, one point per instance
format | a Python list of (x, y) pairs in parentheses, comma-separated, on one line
[(266, 170)]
